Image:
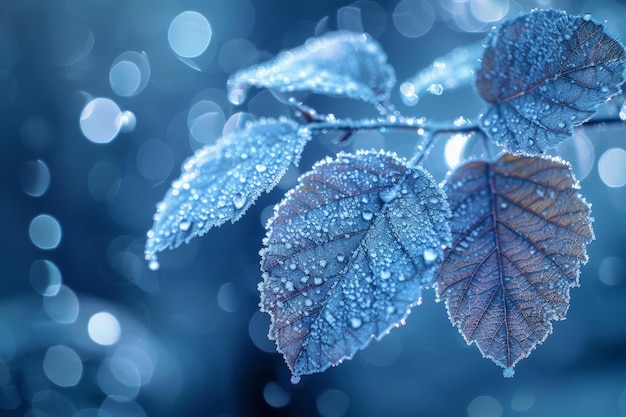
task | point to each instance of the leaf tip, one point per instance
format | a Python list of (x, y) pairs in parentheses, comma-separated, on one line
[(295, 379)]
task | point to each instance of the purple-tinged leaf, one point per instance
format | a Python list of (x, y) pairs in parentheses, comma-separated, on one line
[(347, 254), (340, 63), (545, 73), (221, 181), (519, 231)]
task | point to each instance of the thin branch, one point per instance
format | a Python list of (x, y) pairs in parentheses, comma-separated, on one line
[(420, 126)]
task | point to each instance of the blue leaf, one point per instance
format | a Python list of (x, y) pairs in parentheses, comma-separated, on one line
[(340, 63), (519, 231), (448, 72), (221, 181), (545, 73), (346, 255)]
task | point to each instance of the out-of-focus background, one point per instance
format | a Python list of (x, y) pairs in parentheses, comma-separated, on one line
[(100, 103)]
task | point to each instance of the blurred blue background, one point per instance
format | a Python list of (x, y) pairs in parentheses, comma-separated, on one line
[(100, 103)]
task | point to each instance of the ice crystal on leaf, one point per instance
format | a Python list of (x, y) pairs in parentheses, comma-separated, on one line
[(519, 231), (221, 181), (545, 73), (347, 254), (338, 64)]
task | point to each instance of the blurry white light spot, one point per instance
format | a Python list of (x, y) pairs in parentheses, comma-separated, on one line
[(128, 122), (125, 78), (205, 121), (275, 395), (101, 120), (35, 178), (484, 406), (612, 167), (104, 329), (141, 360), (453, 150), (522, 400), (489, 10), (63, 307), (333, 403), (129, 74), (45, 232), (227, 297), (45, 278), (62, 366), (189, 34), (612, 271), (413, 18)]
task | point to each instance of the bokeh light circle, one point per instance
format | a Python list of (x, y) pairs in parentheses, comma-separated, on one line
[(45, 278), (45, 232), (129, 74), (104, 329), (612, 167), (63, 307), (62, 366), (35, 178), (189, 34), (101, 120)]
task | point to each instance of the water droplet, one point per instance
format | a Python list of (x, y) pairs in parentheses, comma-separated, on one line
[(367, 215), (295, 379), (436, 89), (340, 258), (385, 274), (260, 168), (184, 226), (430, 256), (154, 264), (561, 124), (355, 322), (239, 200), (622, 112), (293, 267), (503, 205), (586, 17)]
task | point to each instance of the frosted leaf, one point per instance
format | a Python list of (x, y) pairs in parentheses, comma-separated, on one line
[(221, 181), (334, 278), (519, 231), (545, 73), (339, 63), (448, 72)]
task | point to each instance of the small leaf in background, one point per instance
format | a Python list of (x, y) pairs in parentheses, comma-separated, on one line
[(221, 181), (346, 255), (519, 231), (340, 63), (545, 73), (450, 71)]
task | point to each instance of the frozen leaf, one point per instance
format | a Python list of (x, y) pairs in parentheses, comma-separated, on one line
[(448, 72), (545, 73), (519, 231), (340, 63), (221, 181), (346, 255)]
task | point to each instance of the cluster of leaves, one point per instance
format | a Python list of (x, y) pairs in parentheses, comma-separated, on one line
[(350, 248)]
